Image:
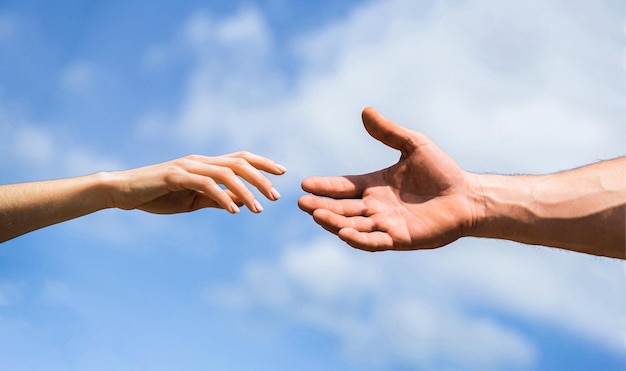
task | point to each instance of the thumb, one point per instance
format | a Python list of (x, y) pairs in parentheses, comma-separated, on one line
[(389, 133)]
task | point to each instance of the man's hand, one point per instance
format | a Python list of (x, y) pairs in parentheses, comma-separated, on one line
[(424, 201)]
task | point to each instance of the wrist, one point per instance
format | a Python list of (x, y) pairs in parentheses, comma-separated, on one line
[(104, 185), (504, 206)]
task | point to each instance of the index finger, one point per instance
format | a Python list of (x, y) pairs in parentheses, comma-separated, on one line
[(334, 186), (259, 162)]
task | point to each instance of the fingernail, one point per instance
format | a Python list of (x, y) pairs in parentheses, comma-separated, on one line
[(275, 193), (234, 208), (281, 167), (258, 206)]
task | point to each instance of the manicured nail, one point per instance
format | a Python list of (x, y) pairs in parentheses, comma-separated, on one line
[(234, 208), (258, 206), (281, 167), (275, 193)]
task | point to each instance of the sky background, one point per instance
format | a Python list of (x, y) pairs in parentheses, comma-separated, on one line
[(506, 87)]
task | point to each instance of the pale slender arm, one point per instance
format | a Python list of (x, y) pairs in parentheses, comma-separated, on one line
[(182, 185), (26, 207), (581, 210)]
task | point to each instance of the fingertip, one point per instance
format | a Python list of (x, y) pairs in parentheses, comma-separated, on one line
[(371, 118), (281, 169), (257, 206), (370, 115), (274, 193), (385, 130), (308, 184), (304, 203), (368, 112), (226, 200), (233, 208)]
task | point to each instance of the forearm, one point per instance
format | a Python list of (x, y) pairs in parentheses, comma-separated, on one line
[(581, 210), (29, 206)]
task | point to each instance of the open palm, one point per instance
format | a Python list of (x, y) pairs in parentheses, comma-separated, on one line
[(423, 201)]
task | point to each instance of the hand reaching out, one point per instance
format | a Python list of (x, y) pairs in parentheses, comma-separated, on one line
[(185, 184), (191, 183), (426, 201), (423, 201)]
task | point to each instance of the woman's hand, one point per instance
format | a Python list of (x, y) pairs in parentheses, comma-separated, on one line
[(186, 184), (195, 182)]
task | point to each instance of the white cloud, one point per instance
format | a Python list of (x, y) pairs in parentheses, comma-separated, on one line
[(509, 87), (245, 29), (428, 335), (210, 111), (328, 272), (458, 73), (536, 283), (424, 307), (379, 320)]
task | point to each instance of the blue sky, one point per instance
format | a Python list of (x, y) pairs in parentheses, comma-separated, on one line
[(507, 87)]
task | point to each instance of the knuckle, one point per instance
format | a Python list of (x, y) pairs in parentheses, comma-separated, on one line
[(185, 162), (172, 173), (209, 183), (239, 163), (224, 172), (201, 158), (243, 154)]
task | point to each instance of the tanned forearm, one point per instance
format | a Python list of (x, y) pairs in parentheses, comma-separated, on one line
[(29, 206), (581, 210)]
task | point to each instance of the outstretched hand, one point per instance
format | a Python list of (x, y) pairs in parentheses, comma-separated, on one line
[(185, 184), (423, 201), (193, 182)]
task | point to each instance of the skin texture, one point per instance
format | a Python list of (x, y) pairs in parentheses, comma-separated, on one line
[(427, 201), (182, 185)]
